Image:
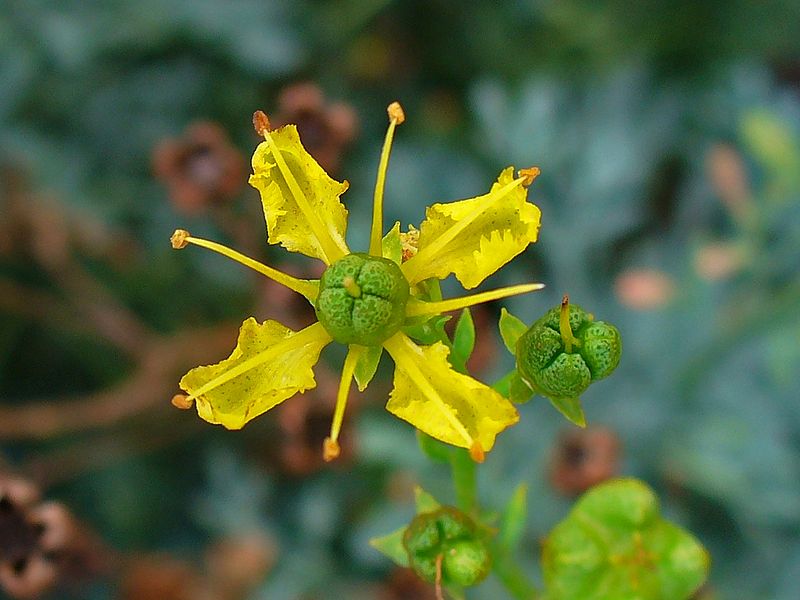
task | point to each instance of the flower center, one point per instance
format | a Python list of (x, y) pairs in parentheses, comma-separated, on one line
[(362, 299)]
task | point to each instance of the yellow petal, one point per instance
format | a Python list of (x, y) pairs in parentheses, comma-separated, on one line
[(301, 202), (269, 364), (501, 224), (441, 402)]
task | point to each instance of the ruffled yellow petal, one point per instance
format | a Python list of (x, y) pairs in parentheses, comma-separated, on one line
[(301, 202), (269, 364), (441, 402), (473, 238)]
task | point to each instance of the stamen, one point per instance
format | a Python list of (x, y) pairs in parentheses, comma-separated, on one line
[(261, 122), (330, 447), (182, 401), (396, 116), (529, 174), (415, 263), (476, 452), (332, 249), (351, 287), (418, 307), (400, 347), (181, 238), (564, 326)]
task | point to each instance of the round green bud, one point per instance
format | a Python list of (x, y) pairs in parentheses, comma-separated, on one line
[(556, 369), (450, 534), (362, 299)]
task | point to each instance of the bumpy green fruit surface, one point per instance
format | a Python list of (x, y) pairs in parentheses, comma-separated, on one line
[(362, 299), (449, 533), (546, 365)]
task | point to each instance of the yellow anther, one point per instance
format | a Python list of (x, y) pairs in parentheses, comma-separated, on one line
[(529, 174), (261, 122), (180, 239), (396, 113)]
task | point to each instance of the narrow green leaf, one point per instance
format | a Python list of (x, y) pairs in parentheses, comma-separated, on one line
[(463, 342), (367, 365), (429, 331), (391, 246), (515, 514), (511, 328), (391, 545), (425, 502), (519, 392), (571, 408)]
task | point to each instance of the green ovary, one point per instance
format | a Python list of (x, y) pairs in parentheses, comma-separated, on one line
[(362, 299), (544, 363)]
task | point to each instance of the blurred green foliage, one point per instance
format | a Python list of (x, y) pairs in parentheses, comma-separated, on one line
[(668, 135)]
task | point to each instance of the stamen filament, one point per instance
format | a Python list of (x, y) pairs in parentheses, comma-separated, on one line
[(416, 308), (332, 249), (376, 232), (413, 265), (330, 448), (563, 324), (402, 349), (315, 332), (306, 287)]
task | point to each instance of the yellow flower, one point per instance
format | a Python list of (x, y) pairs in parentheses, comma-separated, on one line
[(469, 238)]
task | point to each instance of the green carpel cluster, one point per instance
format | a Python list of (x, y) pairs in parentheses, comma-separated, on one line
[(362, 299), (565, 351), (449, 537)]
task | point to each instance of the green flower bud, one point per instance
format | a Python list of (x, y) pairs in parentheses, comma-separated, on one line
[(566, 350), (362, 299), (449, 536)]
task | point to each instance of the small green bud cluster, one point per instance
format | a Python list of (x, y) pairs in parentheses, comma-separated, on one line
[(362, 299), (449, 536), (566, 350)]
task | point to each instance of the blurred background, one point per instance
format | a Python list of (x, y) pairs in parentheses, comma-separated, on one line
[(668, 134)]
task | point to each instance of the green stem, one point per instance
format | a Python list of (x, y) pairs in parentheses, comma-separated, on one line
[(465, 483), (513, 577)]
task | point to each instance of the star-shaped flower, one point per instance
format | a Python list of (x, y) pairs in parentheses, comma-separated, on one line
[(369, 301)]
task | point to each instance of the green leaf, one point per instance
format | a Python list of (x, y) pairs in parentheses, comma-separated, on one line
[(367, 365), (425, 502), (391, 545), (519, 392), (511, 328), (512, 524), (391, 246), (571, 408), (615, 544), (429, 331), (463, 342)]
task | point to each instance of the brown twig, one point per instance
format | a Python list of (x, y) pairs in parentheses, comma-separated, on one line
[(153, 382)]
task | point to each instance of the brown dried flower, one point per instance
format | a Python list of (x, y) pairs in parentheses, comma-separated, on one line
[(584, 458), (644, 289), (41, 544), (325, 129), (199, 169)]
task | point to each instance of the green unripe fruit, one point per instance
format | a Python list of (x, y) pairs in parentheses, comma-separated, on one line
[(450, 534), (560, 361), (466, 563), (362, 299)]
